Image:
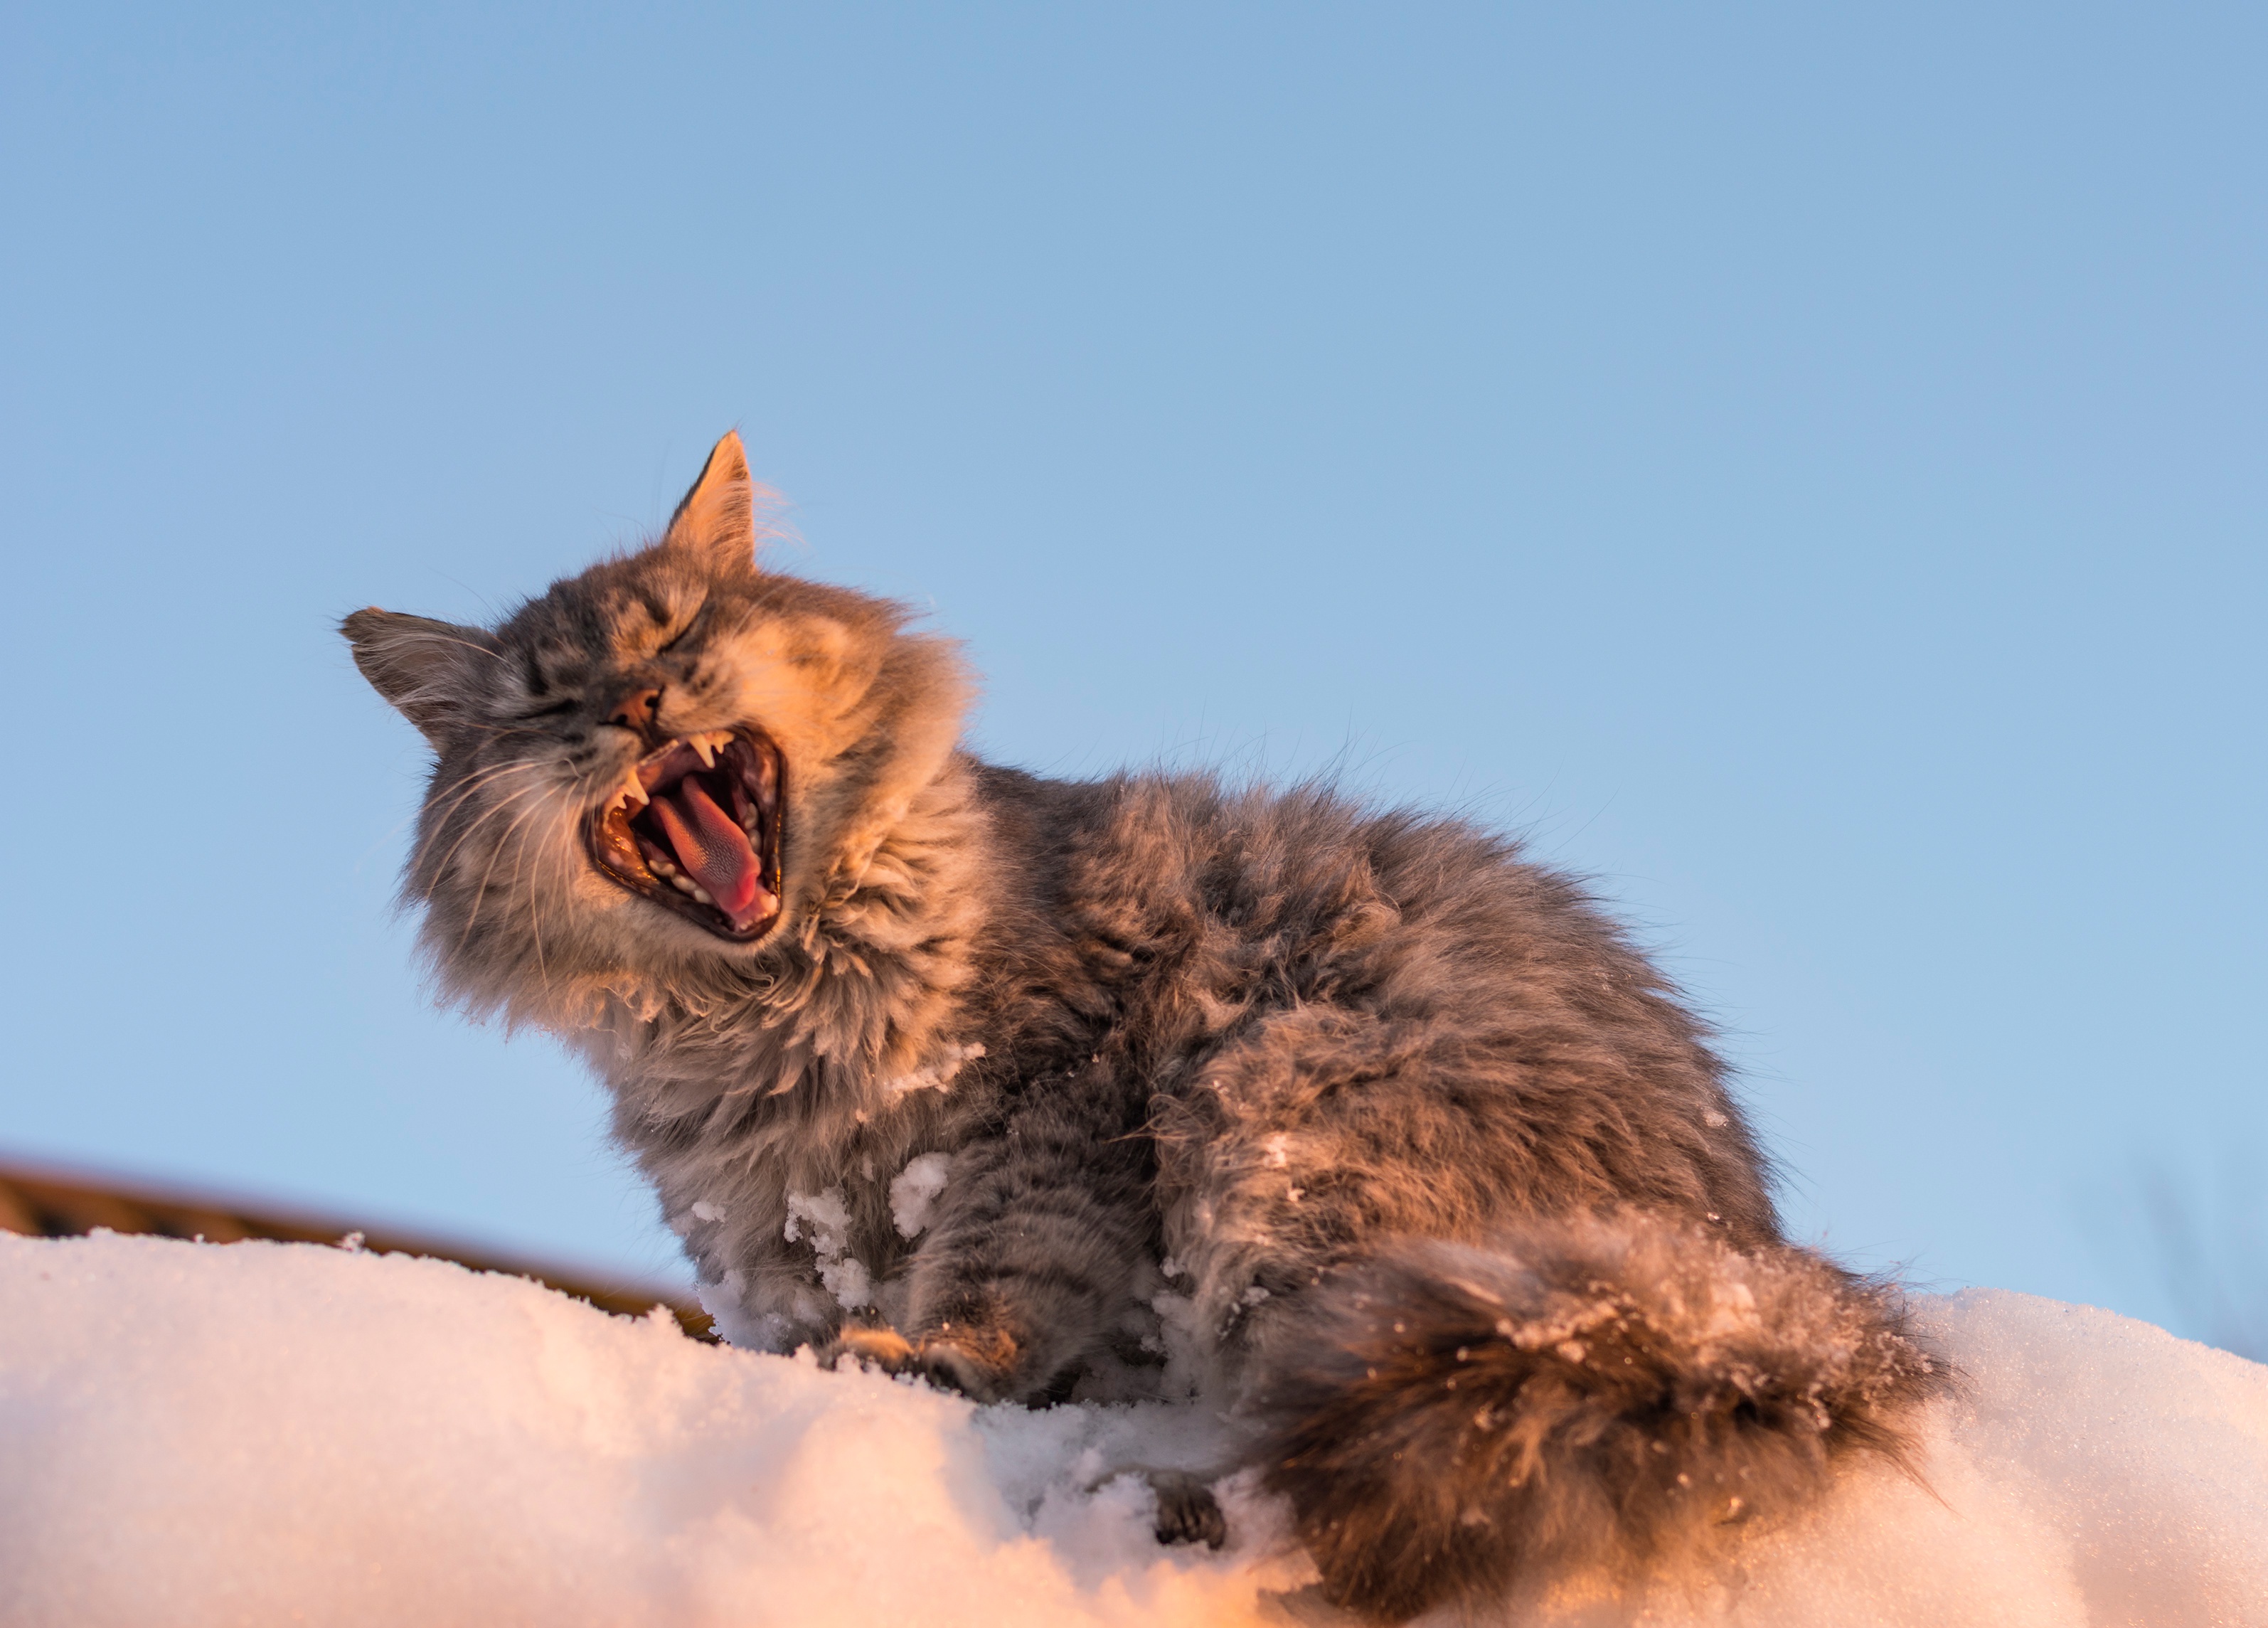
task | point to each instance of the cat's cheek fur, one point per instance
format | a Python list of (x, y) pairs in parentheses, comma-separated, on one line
[(854, 775)]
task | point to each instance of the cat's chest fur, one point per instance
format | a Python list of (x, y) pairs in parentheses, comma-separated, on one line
[(797, 1206), (799, 1159)]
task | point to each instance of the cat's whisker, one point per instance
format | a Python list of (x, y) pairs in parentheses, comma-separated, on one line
[(481, 892), (428, 874), (437, 872), (471, 781), (441, 870), (534, 910), (503, 732), (535, 902), (555, 854), (464, 788)]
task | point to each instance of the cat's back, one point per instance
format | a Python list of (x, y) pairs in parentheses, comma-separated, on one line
[(1318, 894), (1230, 926)]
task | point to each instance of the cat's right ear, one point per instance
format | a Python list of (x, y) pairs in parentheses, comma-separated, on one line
[(717, 518), (417, 663)]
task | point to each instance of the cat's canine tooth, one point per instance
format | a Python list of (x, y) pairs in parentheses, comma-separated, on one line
[(707, 744), (632, 792)]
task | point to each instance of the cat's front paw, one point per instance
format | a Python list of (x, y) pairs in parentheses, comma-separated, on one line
[(876, 1347), (951, 1366), (945, 1363)]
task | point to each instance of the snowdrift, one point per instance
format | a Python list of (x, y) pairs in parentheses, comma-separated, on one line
[(258, 1433)]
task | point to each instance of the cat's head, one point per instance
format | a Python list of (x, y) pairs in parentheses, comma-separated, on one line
[(661, 766)]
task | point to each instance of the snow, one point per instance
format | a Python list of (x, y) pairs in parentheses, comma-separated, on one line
[(915, 1189), (828, 1218), (261, 1433)]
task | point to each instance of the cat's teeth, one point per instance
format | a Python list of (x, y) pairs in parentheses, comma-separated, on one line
[(701, 897), (707, 744), (684, 884), (633, 795)]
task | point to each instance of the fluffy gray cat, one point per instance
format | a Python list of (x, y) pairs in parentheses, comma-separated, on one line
[(1047, 1089)]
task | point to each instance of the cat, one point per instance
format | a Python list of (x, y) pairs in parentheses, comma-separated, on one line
[(1047, 1089)]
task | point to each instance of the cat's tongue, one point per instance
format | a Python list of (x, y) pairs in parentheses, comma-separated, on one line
[(714, 851)]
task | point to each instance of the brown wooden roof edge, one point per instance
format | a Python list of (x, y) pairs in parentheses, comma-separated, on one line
[(48, 1201)]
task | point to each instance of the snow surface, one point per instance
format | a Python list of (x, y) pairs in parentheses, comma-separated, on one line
[(261, 1432)]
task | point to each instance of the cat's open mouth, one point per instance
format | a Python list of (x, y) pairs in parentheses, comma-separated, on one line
[(696, 828)]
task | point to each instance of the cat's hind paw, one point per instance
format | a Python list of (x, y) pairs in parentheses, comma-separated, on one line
[(1188, 1513)]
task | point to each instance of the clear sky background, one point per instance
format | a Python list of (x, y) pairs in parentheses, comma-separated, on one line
[(1806, 466)]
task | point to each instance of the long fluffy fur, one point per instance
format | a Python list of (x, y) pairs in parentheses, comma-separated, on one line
[(1448, 1417), (1305, 1095)]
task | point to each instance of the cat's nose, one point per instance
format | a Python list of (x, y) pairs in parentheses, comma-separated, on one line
[(640, 711)]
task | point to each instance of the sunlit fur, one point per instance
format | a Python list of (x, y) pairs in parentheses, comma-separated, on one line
[(1355, 1116)]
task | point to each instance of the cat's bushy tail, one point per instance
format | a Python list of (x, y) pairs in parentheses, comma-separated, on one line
[(1449, 1419)]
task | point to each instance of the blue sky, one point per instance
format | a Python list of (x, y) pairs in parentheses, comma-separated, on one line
[(1804, 468)]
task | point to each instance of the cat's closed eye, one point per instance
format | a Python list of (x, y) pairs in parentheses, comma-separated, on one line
[(680, 637), (539, 686)]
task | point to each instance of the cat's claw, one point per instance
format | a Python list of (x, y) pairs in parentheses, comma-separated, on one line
[(1188, 1513)]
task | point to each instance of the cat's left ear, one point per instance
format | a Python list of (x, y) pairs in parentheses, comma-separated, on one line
[(718, 516), (417, 663)]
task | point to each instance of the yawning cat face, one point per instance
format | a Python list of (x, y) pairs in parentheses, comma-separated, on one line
[(660, 761)]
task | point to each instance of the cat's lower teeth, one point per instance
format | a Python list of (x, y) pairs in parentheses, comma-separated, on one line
[(685, 884)]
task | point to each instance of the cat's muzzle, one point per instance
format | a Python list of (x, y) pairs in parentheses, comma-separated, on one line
[(695, 827)]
